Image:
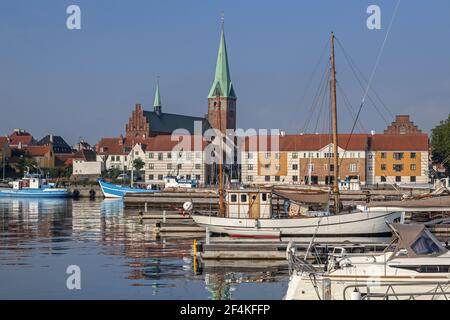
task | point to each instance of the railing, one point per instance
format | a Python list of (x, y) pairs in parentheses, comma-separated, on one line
[(438, 290)]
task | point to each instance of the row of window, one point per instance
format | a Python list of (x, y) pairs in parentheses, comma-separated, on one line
[(160, 177), (353, 167), (169, 155), (295, 155), (399, 167), (399, 155), (399, 179), (170, 166), (244, 198)]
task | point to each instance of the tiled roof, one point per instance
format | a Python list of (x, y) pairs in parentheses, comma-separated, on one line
[(3, 141), (399, 142), (168, 122), (59, 144), (309, 142), (38, 151), (20, 137), (122, 146)]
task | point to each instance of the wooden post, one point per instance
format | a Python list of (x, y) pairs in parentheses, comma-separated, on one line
[(164, 216), (145, 207), (207, 235)]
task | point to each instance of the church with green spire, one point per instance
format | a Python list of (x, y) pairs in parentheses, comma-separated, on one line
[(221, 113)]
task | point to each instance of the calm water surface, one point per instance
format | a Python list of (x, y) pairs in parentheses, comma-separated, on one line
[(119, 257)]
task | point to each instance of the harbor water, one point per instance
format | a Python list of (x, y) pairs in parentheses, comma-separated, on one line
[(117, 255)]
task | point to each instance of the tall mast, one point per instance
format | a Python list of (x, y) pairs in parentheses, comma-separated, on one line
[(334, 127)]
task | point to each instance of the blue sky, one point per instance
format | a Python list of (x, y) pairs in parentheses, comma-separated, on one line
[(86, 82)]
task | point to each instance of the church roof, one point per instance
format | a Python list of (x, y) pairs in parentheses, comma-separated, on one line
[(168, 122), (157, 102), (222, 85)]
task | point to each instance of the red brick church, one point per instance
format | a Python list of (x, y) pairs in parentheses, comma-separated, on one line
[(221, 107)]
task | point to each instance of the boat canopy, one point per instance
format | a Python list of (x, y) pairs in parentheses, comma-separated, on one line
[(315, 198), (414, 240), (434, 202)]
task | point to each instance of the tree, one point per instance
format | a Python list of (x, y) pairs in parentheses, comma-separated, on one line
[(138, 164), (440, 142)]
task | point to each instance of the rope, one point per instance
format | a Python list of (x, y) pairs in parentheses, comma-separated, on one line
[(372, 74)]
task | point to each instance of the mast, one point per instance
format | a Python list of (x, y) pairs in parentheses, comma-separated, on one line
[(221, 204), (334, 127)]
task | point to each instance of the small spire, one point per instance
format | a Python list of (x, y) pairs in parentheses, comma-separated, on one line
[(157, 101)]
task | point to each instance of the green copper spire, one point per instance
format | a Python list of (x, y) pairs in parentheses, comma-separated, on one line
[(222, 85), (157, 102)]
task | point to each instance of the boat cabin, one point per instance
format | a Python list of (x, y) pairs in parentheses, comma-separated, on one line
[(267, 204), (30, 181)]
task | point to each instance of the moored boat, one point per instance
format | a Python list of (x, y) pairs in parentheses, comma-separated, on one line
[(33, 186), (116, 191)]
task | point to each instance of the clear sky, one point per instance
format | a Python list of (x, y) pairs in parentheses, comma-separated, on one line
[(86, 82)]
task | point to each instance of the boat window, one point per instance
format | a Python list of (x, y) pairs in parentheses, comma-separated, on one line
[(264, 197), (243, 198), (233, 198), (425, 245)]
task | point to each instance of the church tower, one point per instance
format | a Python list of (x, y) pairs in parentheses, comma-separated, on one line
[(222, 98), (157, 101)]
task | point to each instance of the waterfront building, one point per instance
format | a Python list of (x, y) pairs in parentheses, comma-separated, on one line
[(20, 138), (42, 155), (302, 159)]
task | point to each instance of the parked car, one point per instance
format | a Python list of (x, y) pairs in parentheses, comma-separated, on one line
[(123, 176)]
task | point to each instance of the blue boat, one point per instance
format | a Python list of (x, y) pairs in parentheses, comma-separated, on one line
[(33, 186), (115, 191)]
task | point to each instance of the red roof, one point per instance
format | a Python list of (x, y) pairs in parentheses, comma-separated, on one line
[(399, 142), (38, 151), (20, 137), (123, 146), (307, 142)]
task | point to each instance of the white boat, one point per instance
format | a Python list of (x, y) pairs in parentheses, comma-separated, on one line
[(177, 182), (252, 213), (414, 266)]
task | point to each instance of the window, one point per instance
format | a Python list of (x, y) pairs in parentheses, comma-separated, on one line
[(250, 155), (233, 198), (412, 167), (150, 155), (295, 178), (277, 156), (425, 246), (353, 167), (180, 166), (295, 167), (277, 178), (264, 197), (160, 177), (150, 177), (277, 167), (249, 178), (317, 155), (398, 167), (198, 177), (267, 155), (169, 155), (250, 167), (383, 155), (412, 179), (383, 167), (383, 179), (126, 158), (243, 198), (198, 166), (331, 167), (398, 155), (295, 155), (160, 156), (188, 177), (151, 166), (413, 155), (169, 166), (267, 178), (304, 155), (398, 179)]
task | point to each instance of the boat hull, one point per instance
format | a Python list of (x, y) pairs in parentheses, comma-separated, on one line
[(34, 193), (361, 224), (114, 191)]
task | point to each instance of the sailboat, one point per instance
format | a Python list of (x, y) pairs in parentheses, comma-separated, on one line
[(251, 213)]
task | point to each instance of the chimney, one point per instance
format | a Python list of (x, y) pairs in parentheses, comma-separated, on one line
[(372, 132), (51, 138)]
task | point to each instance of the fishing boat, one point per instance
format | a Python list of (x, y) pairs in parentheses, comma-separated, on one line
[(414, 266), (33, 185), (249, 213), (116, 191)]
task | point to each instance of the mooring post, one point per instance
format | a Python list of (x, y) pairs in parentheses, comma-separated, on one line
[(145, 207), (164, 216), (207, 235)]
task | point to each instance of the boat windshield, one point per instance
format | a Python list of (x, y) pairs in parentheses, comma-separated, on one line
[(426, 246)]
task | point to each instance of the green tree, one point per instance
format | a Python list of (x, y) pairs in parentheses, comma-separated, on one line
[(138, 164), (440, 142)]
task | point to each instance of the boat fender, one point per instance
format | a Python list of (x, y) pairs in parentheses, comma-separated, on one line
[(92, 194), (188, 206), (76, 193)]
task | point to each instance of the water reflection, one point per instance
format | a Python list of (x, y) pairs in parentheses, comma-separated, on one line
[(119, 256)]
